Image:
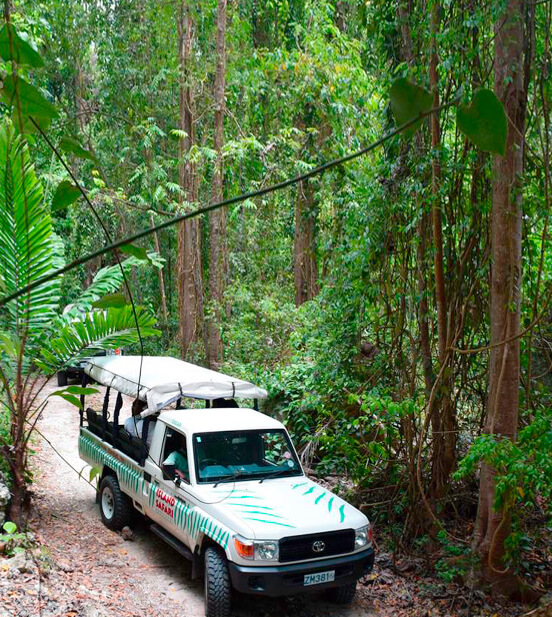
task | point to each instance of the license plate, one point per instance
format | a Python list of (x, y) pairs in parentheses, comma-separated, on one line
[(319, 577)]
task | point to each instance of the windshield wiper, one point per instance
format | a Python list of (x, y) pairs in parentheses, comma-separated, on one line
[(229, 478), (276, 473)]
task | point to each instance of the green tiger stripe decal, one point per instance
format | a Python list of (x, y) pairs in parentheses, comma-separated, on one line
[(260, 520), (129, 476), (261, 512), (239, 495), (248, 505), (319, 497), (186, 517)]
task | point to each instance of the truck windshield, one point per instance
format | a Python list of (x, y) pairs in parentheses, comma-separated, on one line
[(244, 455)]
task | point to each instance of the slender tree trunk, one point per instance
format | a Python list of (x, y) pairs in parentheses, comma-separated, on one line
[(164, 310), (493, 526), (443, 416), (218, 218), (416, 522), (304, 269), (403, 14), (425, 341), (190, 294)]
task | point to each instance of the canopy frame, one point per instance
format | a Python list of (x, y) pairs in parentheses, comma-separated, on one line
[(161, 381)]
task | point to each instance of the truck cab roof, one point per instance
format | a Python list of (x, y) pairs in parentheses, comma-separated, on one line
[(216, 420)]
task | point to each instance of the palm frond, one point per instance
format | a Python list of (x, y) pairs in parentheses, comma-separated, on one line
[(107, 281), (26, 241), (97, 330)]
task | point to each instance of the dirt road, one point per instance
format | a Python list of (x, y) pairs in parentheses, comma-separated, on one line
[(94, 572)]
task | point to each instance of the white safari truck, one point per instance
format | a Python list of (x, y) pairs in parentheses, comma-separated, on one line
[(222, 485)]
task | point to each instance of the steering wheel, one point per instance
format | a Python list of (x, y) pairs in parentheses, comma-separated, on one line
[(207, 461)]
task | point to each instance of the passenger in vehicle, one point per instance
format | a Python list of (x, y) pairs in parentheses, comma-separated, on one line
[(134, 425), (176, 464)]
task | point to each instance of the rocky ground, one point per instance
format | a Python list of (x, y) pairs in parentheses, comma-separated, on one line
[(78, 568)]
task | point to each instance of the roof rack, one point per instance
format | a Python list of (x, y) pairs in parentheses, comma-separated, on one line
[(162, 380)]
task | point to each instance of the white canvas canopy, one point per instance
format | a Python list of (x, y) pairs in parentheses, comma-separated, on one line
[(163, 380)]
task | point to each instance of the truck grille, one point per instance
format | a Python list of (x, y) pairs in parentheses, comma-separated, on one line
[(296, 548)]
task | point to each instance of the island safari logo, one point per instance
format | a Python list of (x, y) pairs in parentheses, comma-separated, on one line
[(164, 502)]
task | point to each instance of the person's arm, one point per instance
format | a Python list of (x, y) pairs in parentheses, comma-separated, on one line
[(180, 463), (171, 466)]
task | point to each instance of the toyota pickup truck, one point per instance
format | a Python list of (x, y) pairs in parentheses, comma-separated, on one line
[(222, 485)]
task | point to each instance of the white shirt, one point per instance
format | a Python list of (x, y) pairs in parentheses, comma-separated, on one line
[(134, 428)]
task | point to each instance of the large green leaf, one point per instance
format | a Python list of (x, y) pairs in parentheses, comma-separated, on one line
[(15, 48), (27, 101), (68, 144), (111, 300), (28, 248), (66, 194), (70, 394), (408, 101), (97, 330), (484, 122), (136, 251)]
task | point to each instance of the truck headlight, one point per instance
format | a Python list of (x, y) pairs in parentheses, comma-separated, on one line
[(363, 536), (267, 551), (264, 550)]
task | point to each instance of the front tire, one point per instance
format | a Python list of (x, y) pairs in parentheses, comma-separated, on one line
[(217, 584), (62, 378), (344, 594), (115, 506)]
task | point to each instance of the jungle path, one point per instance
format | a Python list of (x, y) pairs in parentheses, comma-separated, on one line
[(96, 573)]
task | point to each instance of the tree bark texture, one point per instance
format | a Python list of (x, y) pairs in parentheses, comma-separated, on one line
[(218, 218), (304, 263), (492, 527), (190, 292), (443, 413)]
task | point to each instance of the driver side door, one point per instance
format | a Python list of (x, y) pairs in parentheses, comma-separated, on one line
[(168, 506)]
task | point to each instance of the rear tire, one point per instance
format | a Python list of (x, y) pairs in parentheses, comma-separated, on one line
[(218, 590), (62, 378), (115, 506), (344, 594)]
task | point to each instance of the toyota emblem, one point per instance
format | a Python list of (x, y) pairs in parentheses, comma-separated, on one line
[(318, 546)]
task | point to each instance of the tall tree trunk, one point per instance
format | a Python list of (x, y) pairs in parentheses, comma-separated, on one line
[(190, 294), (493, 526), (218, 218), (164, 310), (443, 416), (425, 341), (403, 17), (304, 263)]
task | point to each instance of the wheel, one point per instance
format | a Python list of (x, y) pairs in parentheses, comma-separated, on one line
[(344, 594), (62, 378), (115, 506), (217, 584)]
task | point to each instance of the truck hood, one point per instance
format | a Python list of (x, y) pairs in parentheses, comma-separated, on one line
[(281, 507)]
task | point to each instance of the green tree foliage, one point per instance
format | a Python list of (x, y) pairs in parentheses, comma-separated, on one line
[(307, 81)]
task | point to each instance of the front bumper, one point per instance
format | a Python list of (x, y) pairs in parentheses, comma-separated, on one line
[(289, 580)]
